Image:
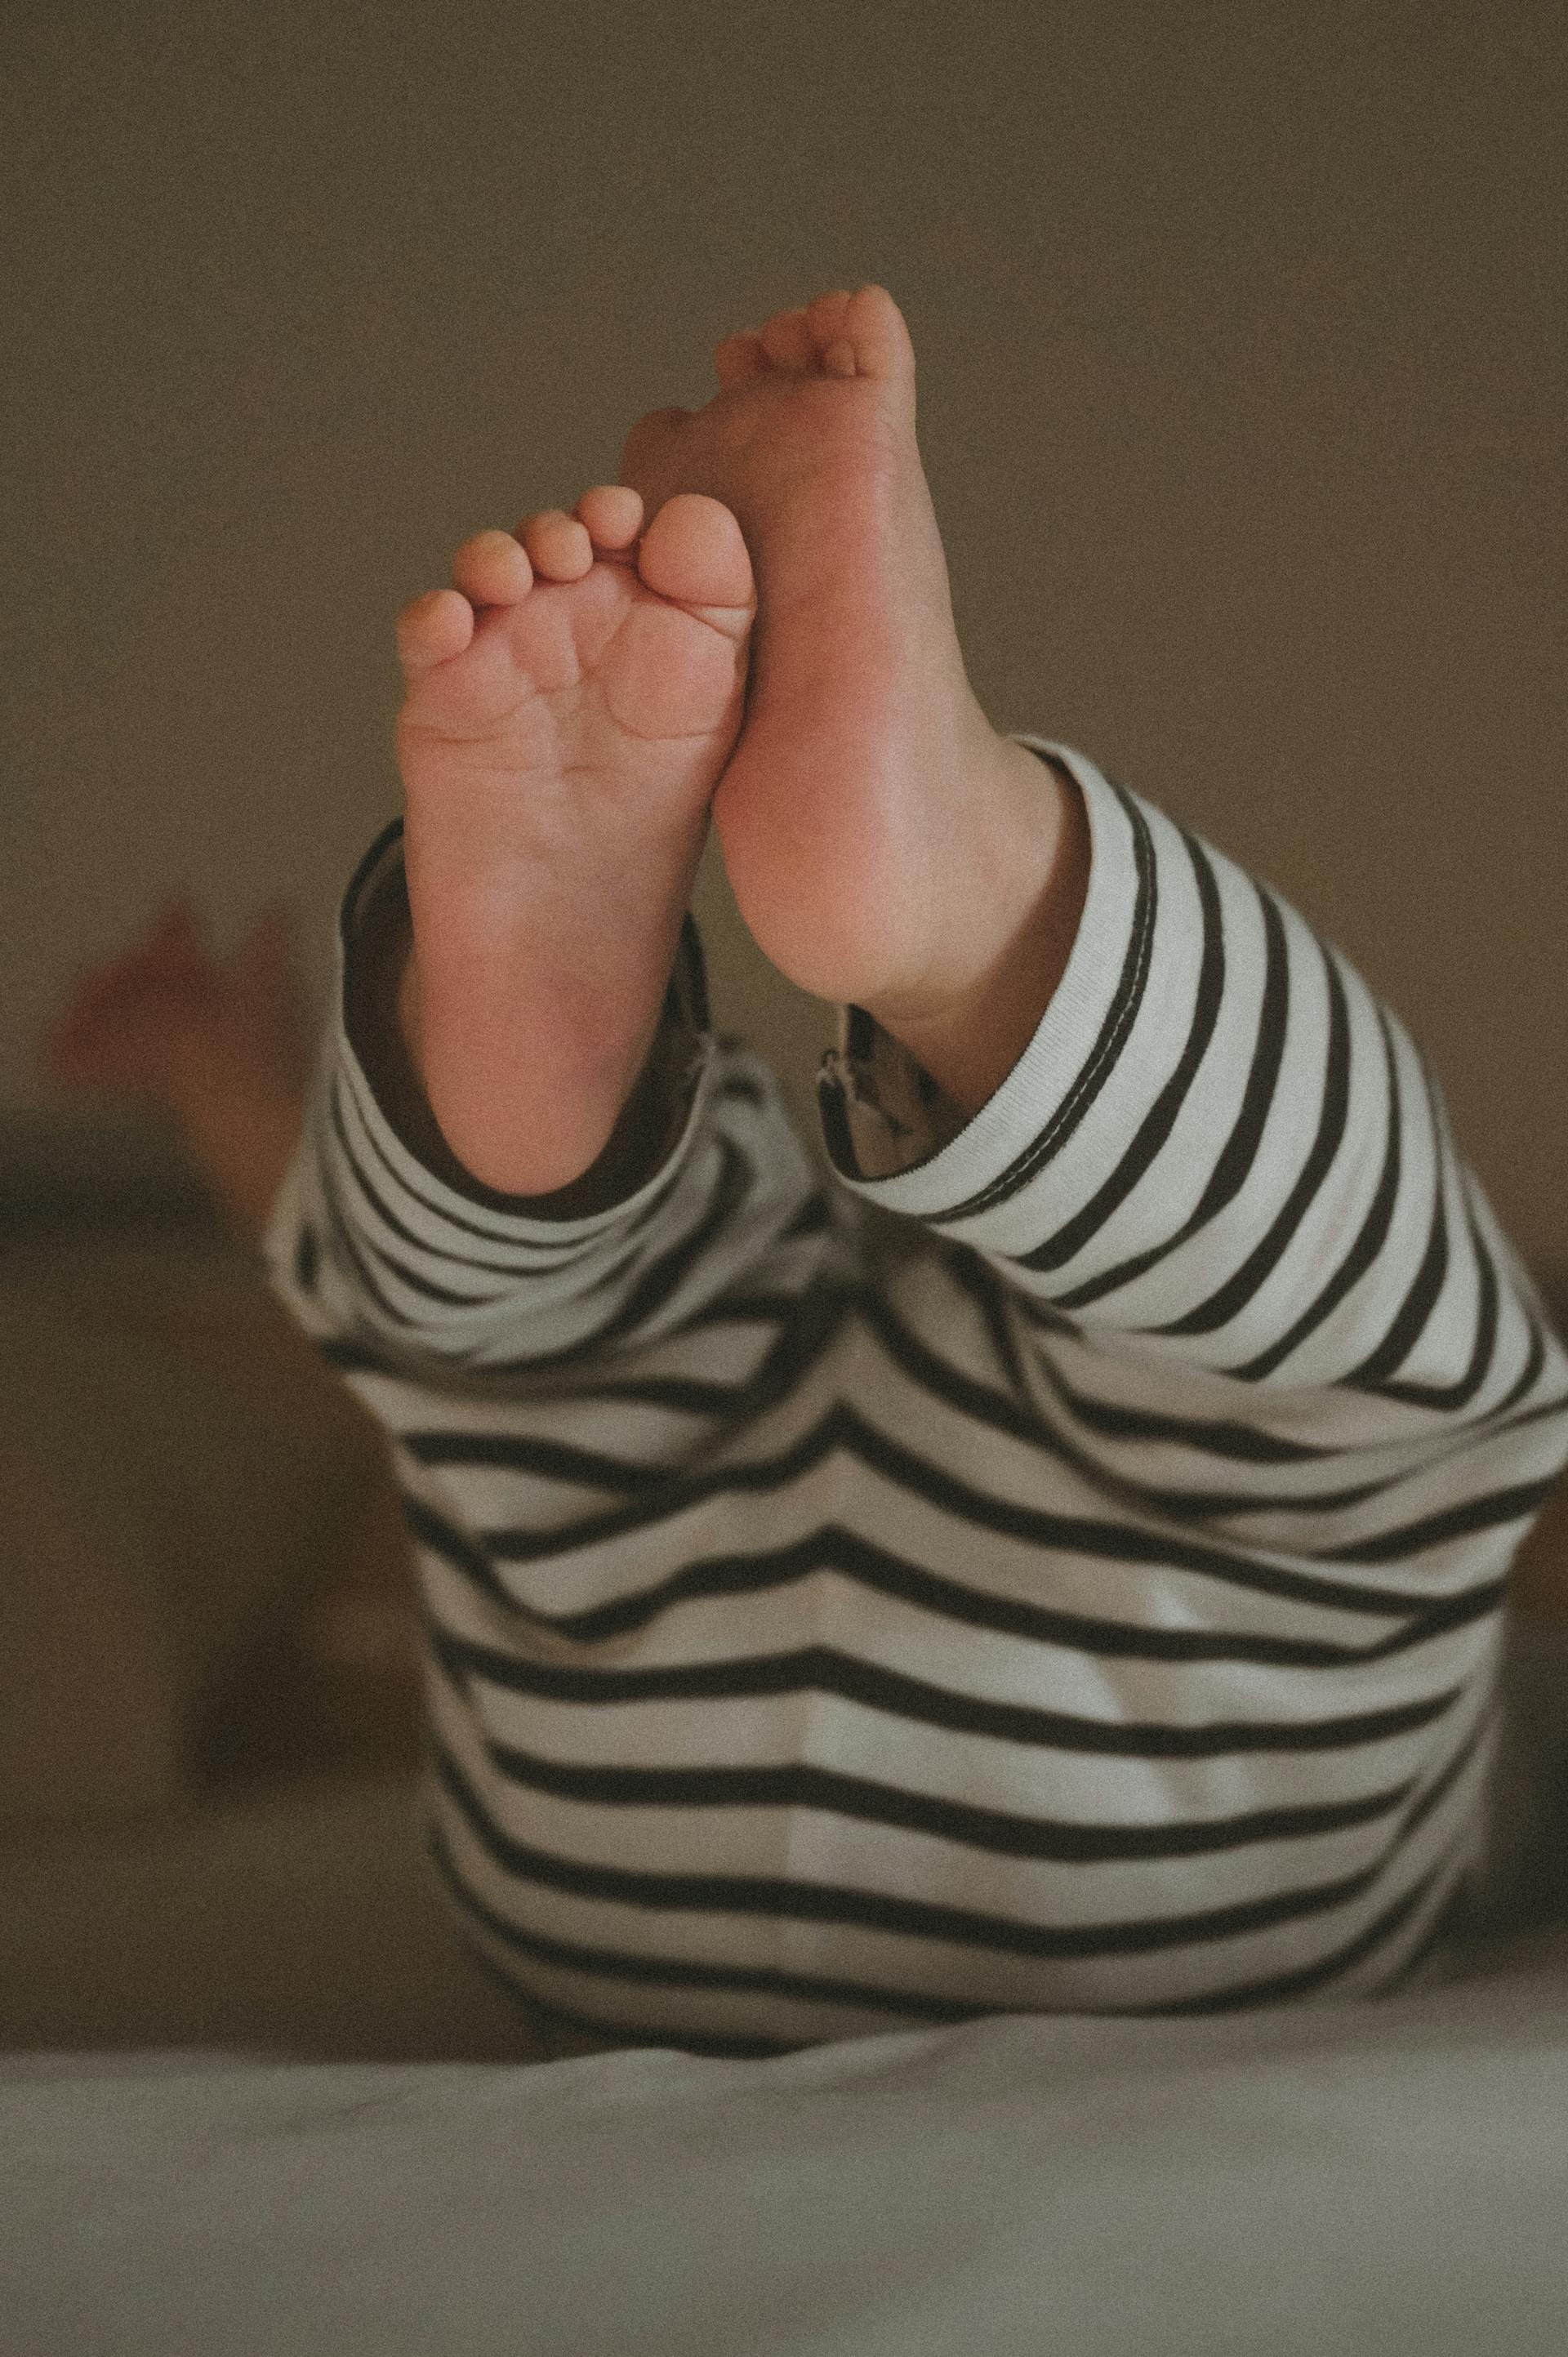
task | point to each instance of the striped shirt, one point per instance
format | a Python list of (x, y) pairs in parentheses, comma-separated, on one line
[(1079, 1592)]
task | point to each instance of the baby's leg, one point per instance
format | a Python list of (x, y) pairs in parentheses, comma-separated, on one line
[(570, 705), (885, 845)]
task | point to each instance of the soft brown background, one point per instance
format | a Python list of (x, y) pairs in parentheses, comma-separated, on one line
[(1240, 384), (1238, 331)]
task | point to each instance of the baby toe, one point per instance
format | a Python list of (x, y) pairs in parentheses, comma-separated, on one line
[(490, 569), (611, 514), (433, 629), (826, 314), (872, 326), (557, 545), (788, 341)]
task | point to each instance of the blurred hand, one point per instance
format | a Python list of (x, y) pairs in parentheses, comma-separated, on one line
[(165, 1020)]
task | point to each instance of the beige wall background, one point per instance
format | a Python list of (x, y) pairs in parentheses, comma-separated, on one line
[(1240, 335)]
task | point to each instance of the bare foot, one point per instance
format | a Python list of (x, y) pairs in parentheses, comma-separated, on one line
[(872, 820), (570, 705)]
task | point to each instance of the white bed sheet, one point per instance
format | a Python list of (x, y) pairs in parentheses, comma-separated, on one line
[(1385, 2179)]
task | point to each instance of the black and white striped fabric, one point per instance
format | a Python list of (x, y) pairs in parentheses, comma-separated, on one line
[(1081, 1594)]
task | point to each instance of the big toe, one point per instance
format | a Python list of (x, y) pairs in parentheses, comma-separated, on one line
[(693, 552)]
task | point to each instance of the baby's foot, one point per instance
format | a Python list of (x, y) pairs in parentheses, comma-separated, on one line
[(570, 705), (871, 818)]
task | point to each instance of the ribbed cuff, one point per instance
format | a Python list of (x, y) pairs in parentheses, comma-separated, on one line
[(894, 1136)]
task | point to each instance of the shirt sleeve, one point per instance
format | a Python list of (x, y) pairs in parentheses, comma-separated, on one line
[(1236, 1265), (389, 1268)]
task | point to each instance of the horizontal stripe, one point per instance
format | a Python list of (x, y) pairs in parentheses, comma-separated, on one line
[(917, 1702), (808, 1902), (1093, 1573)]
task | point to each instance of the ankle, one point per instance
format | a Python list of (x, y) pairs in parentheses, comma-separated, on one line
[(1014, 912)]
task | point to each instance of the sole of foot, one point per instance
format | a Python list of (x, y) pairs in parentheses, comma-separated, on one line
[(570, 704)]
